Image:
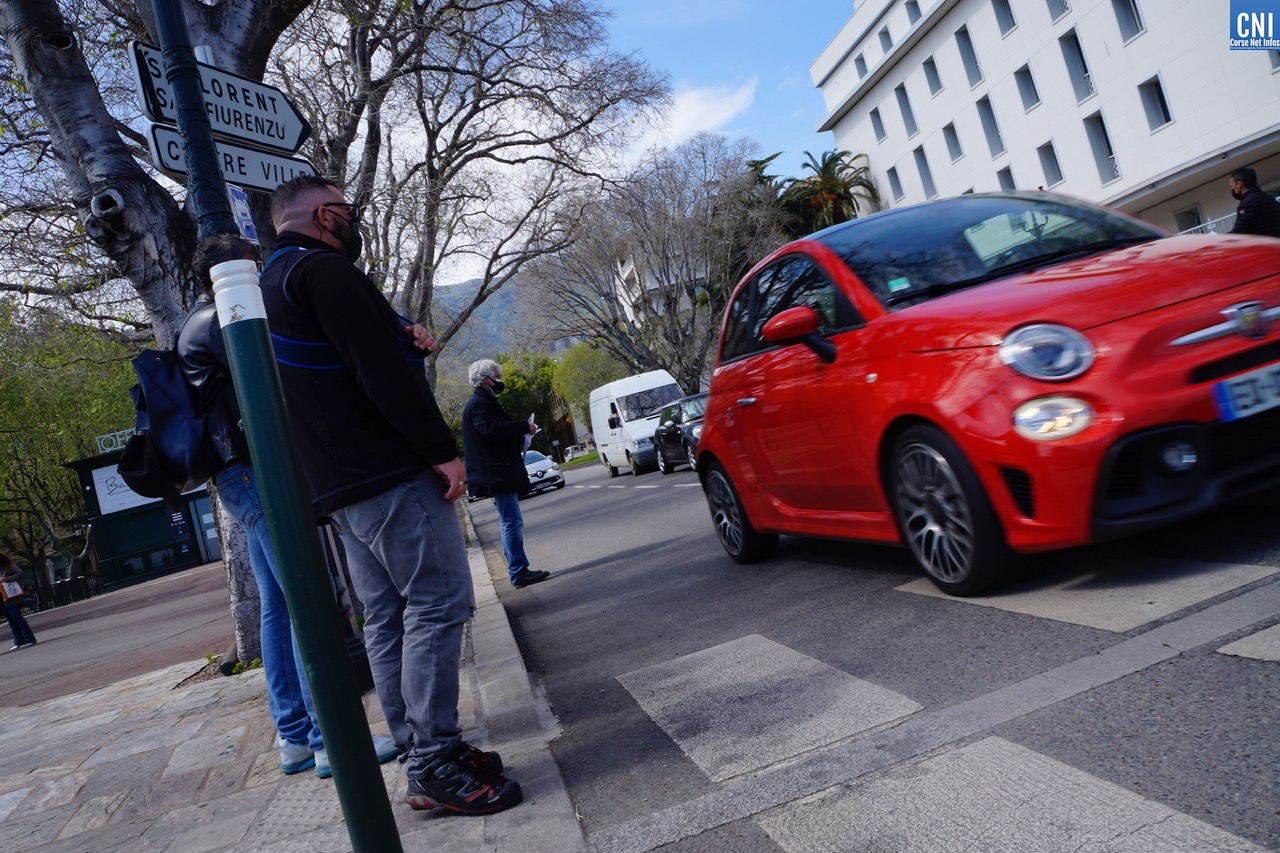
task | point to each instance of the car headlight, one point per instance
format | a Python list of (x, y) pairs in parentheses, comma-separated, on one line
[(1049, 418), (644, 442), (697, 431), (1049, 352)]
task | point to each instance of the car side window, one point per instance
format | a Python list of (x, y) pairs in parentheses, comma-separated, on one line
[(670, 413), (794, 281), (737, 324)]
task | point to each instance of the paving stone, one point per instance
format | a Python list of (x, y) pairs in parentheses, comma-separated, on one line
[(226, 779), (125, 773), (152, 801), (219, 835), (265, 770), (141, 741), (93, 814), (203, 753), (9, 801), (53, 793), (23, 831)]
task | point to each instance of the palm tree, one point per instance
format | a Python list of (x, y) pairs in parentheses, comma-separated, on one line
[(832, 193)]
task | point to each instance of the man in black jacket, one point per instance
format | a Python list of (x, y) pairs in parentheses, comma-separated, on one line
[(383, 467), (495, 446), (1259, 212), (203, 357)]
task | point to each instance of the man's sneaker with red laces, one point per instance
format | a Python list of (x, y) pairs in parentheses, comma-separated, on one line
[(467, 781)]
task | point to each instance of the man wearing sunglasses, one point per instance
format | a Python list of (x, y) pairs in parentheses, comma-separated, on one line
[(383, 468)]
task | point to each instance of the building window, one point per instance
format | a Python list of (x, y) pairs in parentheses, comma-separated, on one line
[(1077, 68), (1275, 59), (1049, 164), (1103, 154), (926, 176), (1004, 16), (913, 11), (860, 63), (886, 40), (931, 74), (904, 104), (895, 184), (1027, 87), (1058, 8), (1185, 220), (877, 124), (969, 56), (953, 142), (1154, 102), (1128, 17), (989, 126), (1005, 177)]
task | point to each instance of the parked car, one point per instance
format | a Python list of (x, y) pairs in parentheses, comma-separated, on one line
[(992, 375), (544, 473), (623, 416), (573, 451), (676, 438)]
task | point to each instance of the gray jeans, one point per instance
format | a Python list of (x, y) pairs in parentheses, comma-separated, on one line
[(409, 565)]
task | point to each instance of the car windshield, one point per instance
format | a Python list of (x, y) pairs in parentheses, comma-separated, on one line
[(532, 456), (914, 254), (644, 403)]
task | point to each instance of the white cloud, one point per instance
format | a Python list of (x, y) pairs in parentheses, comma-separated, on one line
[(694, 110)]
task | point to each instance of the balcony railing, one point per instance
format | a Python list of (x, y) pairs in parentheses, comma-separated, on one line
[(1221, 225)]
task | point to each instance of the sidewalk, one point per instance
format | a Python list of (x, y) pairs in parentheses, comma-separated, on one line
[(141, 766)]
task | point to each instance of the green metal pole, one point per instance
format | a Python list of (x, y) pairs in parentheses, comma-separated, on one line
[(205, 185), (303, 577)]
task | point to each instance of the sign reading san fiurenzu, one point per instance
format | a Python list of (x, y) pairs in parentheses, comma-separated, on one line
[(238, 108), (240, 165)]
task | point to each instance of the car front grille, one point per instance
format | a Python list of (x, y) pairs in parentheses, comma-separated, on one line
[(1241, 361), (1018, 482)]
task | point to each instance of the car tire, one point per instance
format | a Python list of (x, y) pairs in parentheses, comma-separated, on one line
[(635, 467), (613, 471), (740, 540), (944, 515), (663, 465), (559, 485), (692, 456)]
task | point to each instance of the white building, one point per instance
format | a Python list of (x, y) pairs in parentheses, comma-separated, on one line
[(1139, 104)]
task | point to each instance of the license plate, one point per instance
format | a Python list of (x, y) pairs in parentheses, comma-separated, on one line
[(1248, 394)]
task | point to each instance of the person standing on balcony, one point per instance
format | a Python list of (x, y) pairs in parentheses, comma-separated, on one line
[(1259, 212)]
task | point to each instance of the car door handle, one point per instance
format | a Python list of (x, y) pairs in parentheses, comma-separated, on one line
[(746, 401)]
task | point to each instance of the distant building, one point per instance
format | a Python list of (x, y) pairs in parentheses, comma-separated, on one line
[(1138, 104)]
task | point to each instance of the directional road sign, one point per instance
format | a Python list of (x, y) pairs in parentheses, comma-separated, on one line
[(238, 108), (241, 165)]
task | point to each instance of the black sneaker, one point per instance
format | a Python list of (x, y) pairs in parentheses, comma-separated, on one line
[(529, 576), (490, 760), (464, 783)]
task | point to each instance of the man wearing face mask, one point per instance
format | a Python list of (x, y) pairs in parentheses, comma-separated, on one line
[(495, 447), (383, 468), (1258, 212)]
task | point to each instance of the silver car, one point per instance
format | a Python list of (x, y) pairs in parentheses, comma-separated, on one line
[(544, 473)]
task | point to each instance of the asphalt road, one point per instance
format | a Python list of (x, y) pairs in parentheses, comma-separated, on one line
[(111, 637), (709, 706)]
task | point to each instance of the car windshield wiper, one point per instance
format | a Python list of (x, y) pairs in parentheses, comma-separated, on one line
[(1069, 254), (936, 290)]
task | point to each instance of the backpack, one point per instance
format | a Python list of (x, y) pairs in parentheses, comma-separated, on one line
[(171, 450)]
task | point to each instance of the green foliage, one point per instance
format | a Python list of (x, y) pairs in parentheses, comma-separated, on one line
[(61, 386), (831, 194), (529, 390), (210, 658), (582, 370)]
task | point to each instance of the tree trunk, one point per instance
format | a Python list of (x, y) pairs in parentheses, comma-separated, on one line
[(242, 588)]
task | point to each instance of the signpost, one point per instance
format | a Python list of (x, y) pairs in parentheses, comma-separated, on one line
[(241, 165), (238, 108)]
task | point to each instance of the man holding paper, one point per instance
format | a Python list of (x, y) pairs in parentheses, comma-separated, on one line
[(495, 446)]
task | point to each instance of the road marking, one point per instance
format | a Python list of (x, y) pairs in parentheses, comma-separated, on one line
[(1120, 594), (688, 485), (617, 487), (1264, 645), (992, 795), (786, 704), (747, 796), (647, 487)]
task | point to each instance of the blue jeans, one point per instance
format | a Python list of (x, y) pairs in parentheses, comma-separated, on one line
[(288, 695), (512, 532), (409, 566), (17, 622)]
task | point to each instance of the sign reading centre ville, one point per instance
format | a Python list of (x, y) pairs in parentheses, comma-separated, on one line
[(240, 165), (238, 108)]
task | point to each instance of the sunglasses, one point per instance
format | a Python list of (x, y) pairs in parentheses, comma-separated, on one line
[(353, 210)]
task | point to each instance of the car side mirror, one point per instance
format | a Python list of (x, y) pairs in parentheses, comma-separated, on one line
[(668, 424), (800, 325), (614, 422)]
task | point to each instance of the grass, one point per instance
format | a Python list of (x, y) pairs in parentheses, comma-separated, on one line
[(578, 461)]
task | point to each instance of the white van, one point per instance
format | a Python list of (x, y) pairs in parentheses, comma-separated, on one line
[(624, 415)]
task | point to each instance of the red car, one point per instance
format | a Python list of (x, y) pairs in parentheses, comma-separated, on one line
[(991, 375)]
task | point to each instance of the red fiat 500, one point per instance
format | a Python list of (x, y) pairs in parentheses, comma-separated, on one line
[(992, 374)]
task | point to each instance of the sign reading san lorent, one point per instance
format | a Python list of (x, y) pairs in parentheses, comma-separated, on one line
[(255, 126)]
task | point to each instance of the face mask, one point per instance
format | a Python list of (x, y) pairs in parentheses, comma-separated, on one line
[(498, 385), (352, 243), (1237, 194)]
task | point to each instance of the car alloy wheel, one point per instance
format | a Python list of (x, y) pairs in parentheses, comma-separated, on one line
[(663, 465), (944, 515), (742, 541), (692, 456), (613, 471)]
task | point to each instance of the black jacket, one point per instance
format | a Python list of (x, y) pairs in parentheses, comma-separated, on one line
[(203, 357), (369, 421), (495, 447), (1258, 213)]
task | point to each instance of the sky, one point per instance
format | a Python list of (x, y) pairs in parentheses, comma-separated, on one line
[(737, 67)]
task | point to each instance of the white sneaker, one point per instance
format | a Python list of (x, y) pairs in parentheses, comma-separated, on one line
[(294, 757), (385, 747)]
